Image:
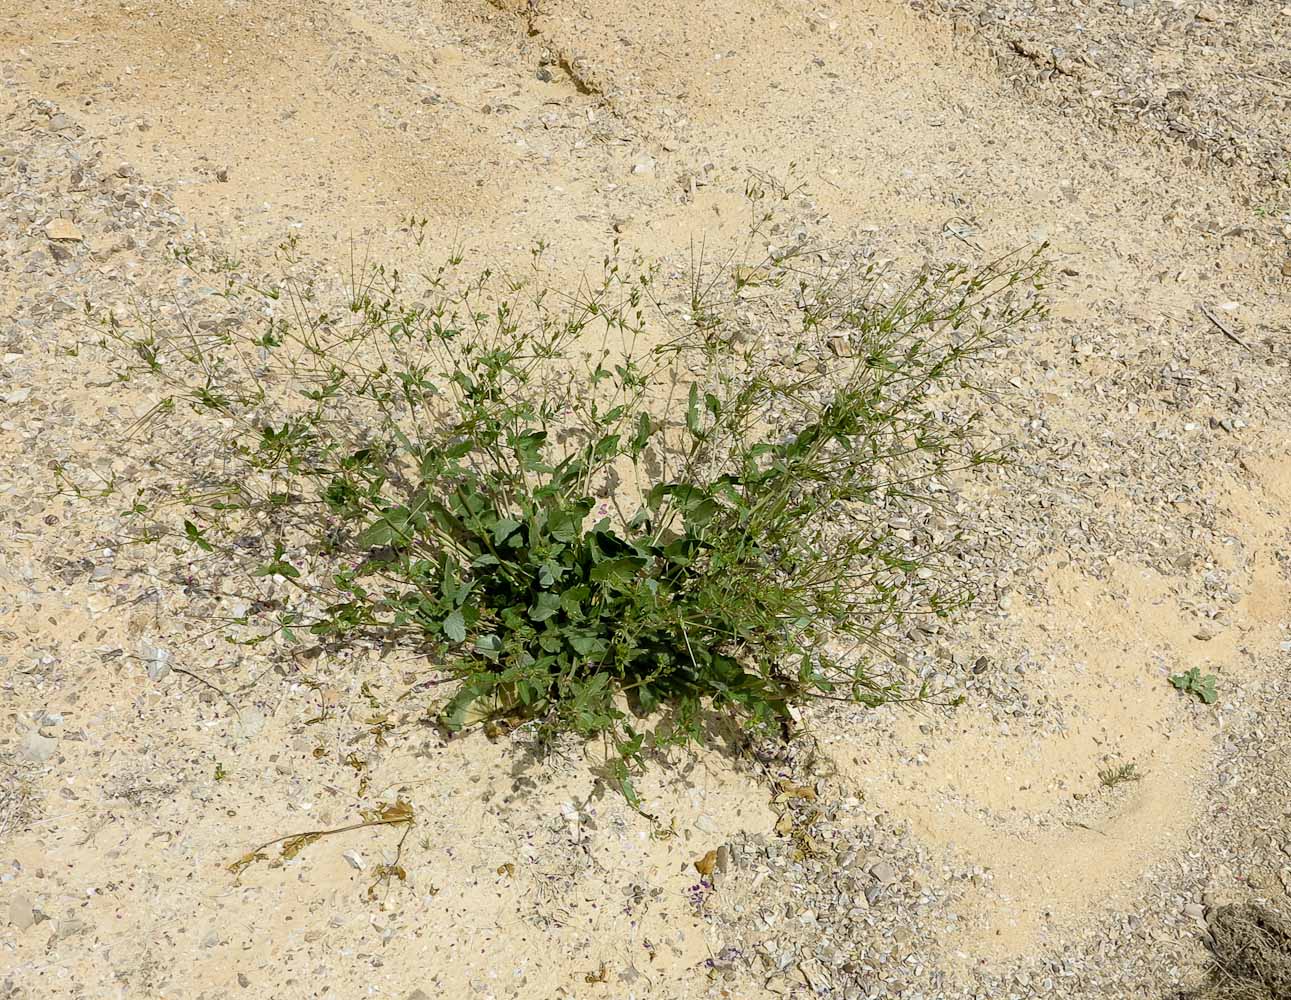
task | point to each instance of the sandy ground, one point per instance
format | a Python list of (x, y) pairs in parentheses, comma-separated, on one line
[(1144, 529)]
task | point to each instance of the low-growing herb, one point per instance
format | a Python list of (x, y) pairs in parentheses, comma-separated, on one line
[(601, 510)]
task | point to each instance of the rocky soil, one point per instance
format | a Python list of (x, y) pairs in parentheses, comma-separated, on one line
[(1212, 77)]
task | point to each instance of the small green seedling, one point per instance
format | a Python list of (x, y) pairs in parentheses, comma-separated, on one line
[(220, 773), (1194, 683), (1113, 776)]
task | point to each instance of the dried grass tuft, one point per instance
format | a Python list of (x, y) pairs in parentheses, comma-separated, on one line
[(1252, 948)]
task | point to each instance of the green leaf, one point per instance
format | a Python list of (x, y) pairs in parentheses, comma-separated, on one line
[(647, 699), (550, 572), (623, 777), (629, 791), (528, 448), (432, 463), (1193, 683), (393, 527), (692, 414), (278, 566), (448, 581), (681, 551), (196, 537), (566, 523), (546, 606), (569, 471), (571, 600), (700, 512), (455, 626), (618, 573), (645, 428), (606, 446), (376, 534), (489, 646), (587, 645), (505, 527)]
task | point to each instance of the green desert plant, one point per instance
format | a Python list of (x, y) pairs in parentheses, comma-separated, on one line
[(1192, 682), (1111, 776), (594, 507)]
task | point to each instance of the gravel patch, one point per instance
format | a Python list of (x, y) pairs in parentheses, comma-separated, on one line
[(1213, 77)]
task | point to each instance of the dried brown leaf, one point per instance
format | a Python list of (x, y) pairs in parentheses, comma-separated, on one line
[(792, 791), (246, 861), (399, 812), (294, 845)]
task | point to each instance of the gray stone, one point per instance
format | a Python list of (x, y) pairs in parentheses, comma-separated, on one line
[(21, 913), (37, 748), (70, 927), (156, 660), (251, 723)]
